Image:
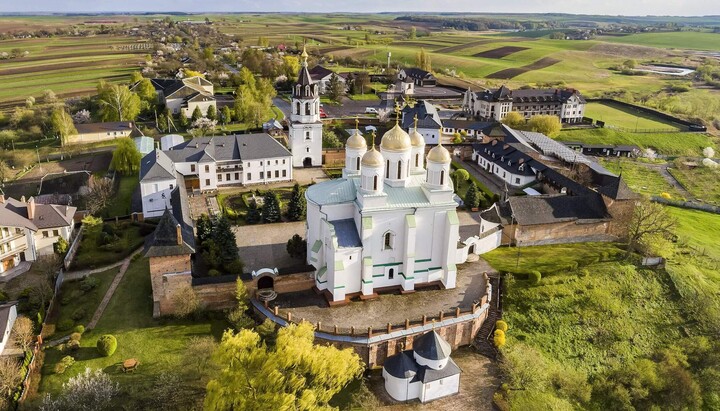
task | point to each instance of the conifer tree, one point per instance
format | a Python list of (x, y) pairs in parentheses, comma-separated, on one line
[(297, 205), (471, 197), (253, 214), (224, 237), (196, 114), (211, 113), (271, 208)]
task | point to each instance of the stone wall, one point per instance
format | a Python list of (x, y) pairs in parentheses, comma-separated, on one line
[(564, 232)]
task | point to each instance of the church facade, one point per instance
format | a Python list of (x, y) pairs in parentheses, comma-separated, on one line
[(389, 222)]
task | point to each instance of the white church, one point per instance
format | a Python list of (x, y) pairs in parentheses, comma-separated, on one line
[(389, 222)]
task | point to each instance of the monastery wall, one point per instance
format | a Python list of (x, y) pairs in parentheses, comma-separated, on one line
[(564, 232)]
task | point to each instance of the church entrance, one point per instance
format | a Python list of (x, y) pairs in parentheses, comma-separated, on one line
[(307, 162), (265, 282)]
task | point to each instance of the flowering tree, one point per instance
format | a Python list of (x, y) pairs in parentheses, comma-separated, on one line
[(82, 116), (91, 390), (708, 152), (202, 127)]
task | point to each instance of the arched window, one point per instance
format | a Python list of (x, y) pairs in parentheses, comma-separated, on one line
[(388, 241), (442, 177), (387, 169), (417, 160), (357, 163), (297, 107), (307, 109), (391, 273), (399, 173), (375, 183), (307, 90)]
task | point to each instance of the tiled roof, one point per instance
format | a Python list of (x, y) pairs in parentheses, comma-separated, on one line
[(618, 190), (529, 95), (432, 346), (401, 365), (417, 73), (550, 209), (427, 374), (319, 73), (156, 166), (426, 113), (46, 215), (227, 148)]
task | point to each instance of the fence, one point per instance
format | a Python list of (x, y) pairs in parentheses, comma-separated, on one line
[(690, 125), (74, 246), (687, 204)]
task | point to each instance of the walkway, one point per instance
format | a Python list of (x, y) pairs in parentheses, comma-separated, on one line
[(79, 275), (108, 295), (21, 268)]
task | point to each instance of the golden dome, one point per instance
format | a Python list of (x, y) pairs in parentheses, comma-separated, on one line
[(356, 141), (417, 139), (439, 154), (372, 158), (396, 139)]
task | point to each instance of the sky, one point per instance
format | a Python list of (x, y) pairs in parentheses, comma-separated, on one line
[(612, 7)]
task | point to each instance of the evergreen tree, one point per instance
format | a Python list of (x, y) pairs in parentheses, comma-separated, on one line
[(204, 228), (183, 121), (336, 88), (297, 205), (271, 207), (224, 237), (196, 114), (211, 113), (296, 247), (253, 214), (471, 197), (225, 115)]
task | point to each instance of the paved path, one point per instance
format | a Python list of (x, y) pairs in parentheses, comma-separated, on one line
[(79, 275), (111, 290)]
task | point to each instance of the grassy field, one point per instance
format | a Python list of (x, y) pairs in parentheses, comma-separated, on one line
[(159, 346), (92, 254), (641, 177), (123, 197), (702, 182), (618, 116), (679, 40), (67, 65), (681, 144)]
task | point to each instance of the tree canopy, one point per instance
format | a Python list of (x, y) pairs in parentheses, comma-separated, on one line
[(294, 374), (514, 119), (117, 103), (547, 124), (126, 157), (62, 124)]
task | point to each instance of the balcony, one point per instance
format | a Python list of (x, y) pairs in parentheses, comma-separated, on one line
[(13, 251), (11, 237)]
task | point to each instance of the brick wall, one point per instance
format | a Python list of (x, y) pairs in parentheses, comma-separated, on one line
[(564, 232)]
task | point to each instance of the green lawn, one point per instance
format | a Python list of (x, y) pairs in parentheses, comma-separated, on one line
[(699, 229), (129, 236), (159, 345), (702, 182), (364, 97), (619, 116), (73, 301), (641, 178), (683, 144), (123, 197), (680, 40), (550, 259)]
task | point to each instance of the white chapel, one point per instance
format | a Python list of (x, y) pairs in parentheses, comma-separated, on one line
[(389, 222)]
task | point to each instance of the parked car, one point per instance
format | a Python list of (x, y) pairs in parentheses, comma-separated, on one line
[(323, 114), (370, 110)]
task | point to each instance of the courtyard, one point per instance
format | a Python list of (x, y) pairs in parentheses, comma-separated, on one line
[(263, 245), (390, 308)]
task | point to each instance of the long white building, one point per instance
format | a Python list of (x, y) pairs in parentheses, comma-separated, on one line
[(389, 222), (568, 104), (207, 163)]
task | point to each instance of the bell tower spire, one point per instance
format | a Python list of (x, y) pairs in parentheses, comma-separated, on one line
[(305, 127)]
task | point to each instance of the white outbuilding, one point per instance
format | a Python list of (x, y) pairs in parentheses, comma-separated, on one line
[(426, 372)]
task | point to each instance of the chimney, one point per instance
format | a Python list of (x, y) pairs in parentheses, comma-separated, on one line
[(178, 232), (31, 208)]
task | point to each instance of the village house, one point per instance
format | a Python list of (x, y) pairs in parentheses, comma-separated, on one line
[(184, 95), (567, 104), (94, 132), (206, 163), (29, 230), (419, 77), (428, 122), (321, 76)]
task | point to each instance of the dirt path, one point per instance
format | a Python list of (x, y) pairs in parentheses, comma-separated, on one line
[(108, 295), (663, 170)]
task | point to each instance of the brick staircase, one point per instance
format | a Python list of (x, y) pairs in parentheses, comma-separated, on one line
[(484, 339)]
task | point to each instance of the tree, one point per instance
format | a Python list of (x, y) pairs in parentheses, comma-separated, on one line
[(197, 354), (211, 113), (708, 152), (290, 66), (88, 391), (126, 157), (241, 295), (526, 367), (49, 97), (202, 126), (422, 60), (146, 91), (330, 139), (336, 88), (10, 376), (196, 114), (471, 197), (297, 247), (253, 98), (183, 121), (460, 176), (5, 171), (117, 103), (294, 374), (297, 205), (271, 207), (413, 33), (99, 195), (514, 119), (253, 215), (630, 64), (361, 82), (61, 246), (62, 124), (649, 221), (225, 115), (224, 237), (24, 332), (185, 301), (547, 124)]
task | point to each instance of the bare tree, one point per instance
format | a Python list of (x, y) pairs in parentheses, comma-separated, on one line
[(23, 332), (101, 191), (197, 354), (48, 266), (649, 220), (384, 114), (185, 301), (9, 375)]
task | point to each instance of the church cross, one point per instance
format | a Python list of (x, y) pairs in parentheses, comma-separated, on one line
[(397, 112), (416, 120)]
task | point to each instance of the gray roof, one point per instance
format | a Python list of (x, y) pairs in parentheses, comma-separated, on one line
[(163, 241), (156, 166), (426, 374), (432, 346), (618, 190), (550, 209), (427, 115), (227, 148), (401, 365), (14, 213), (346, 233), (530, 95)]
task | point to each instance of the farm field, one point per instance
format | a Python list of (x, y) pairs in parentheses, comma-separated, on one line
[(681, 144), (702, 182), (622, 117), (67, 65), (680, 40), (642, 178)]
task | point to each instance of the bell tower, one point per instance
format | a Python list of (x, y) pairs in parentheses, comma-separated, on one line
[(305, 127)]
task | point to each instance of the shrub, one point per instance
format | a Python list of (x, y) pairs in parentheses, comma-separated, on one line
[(501, 325), (65, 325), (584, 273), (106, 345), (499, 340), (499, 333), (534, 277), (75, 336), (213, 272), (72, 345), (65, 300), (65, 363), (108, 229), (78, 314), (79, 329), (3, 296), (88, 283)]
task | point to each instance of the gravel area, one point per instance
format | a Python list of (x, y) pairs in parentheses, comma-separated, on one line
[(264, 245)]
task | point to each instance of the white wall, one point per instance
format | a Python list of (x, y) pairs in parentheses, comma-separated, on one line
[(401, 389), (440, 388), (11, 321), (153, 202), (44, 244), (302, 147)]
